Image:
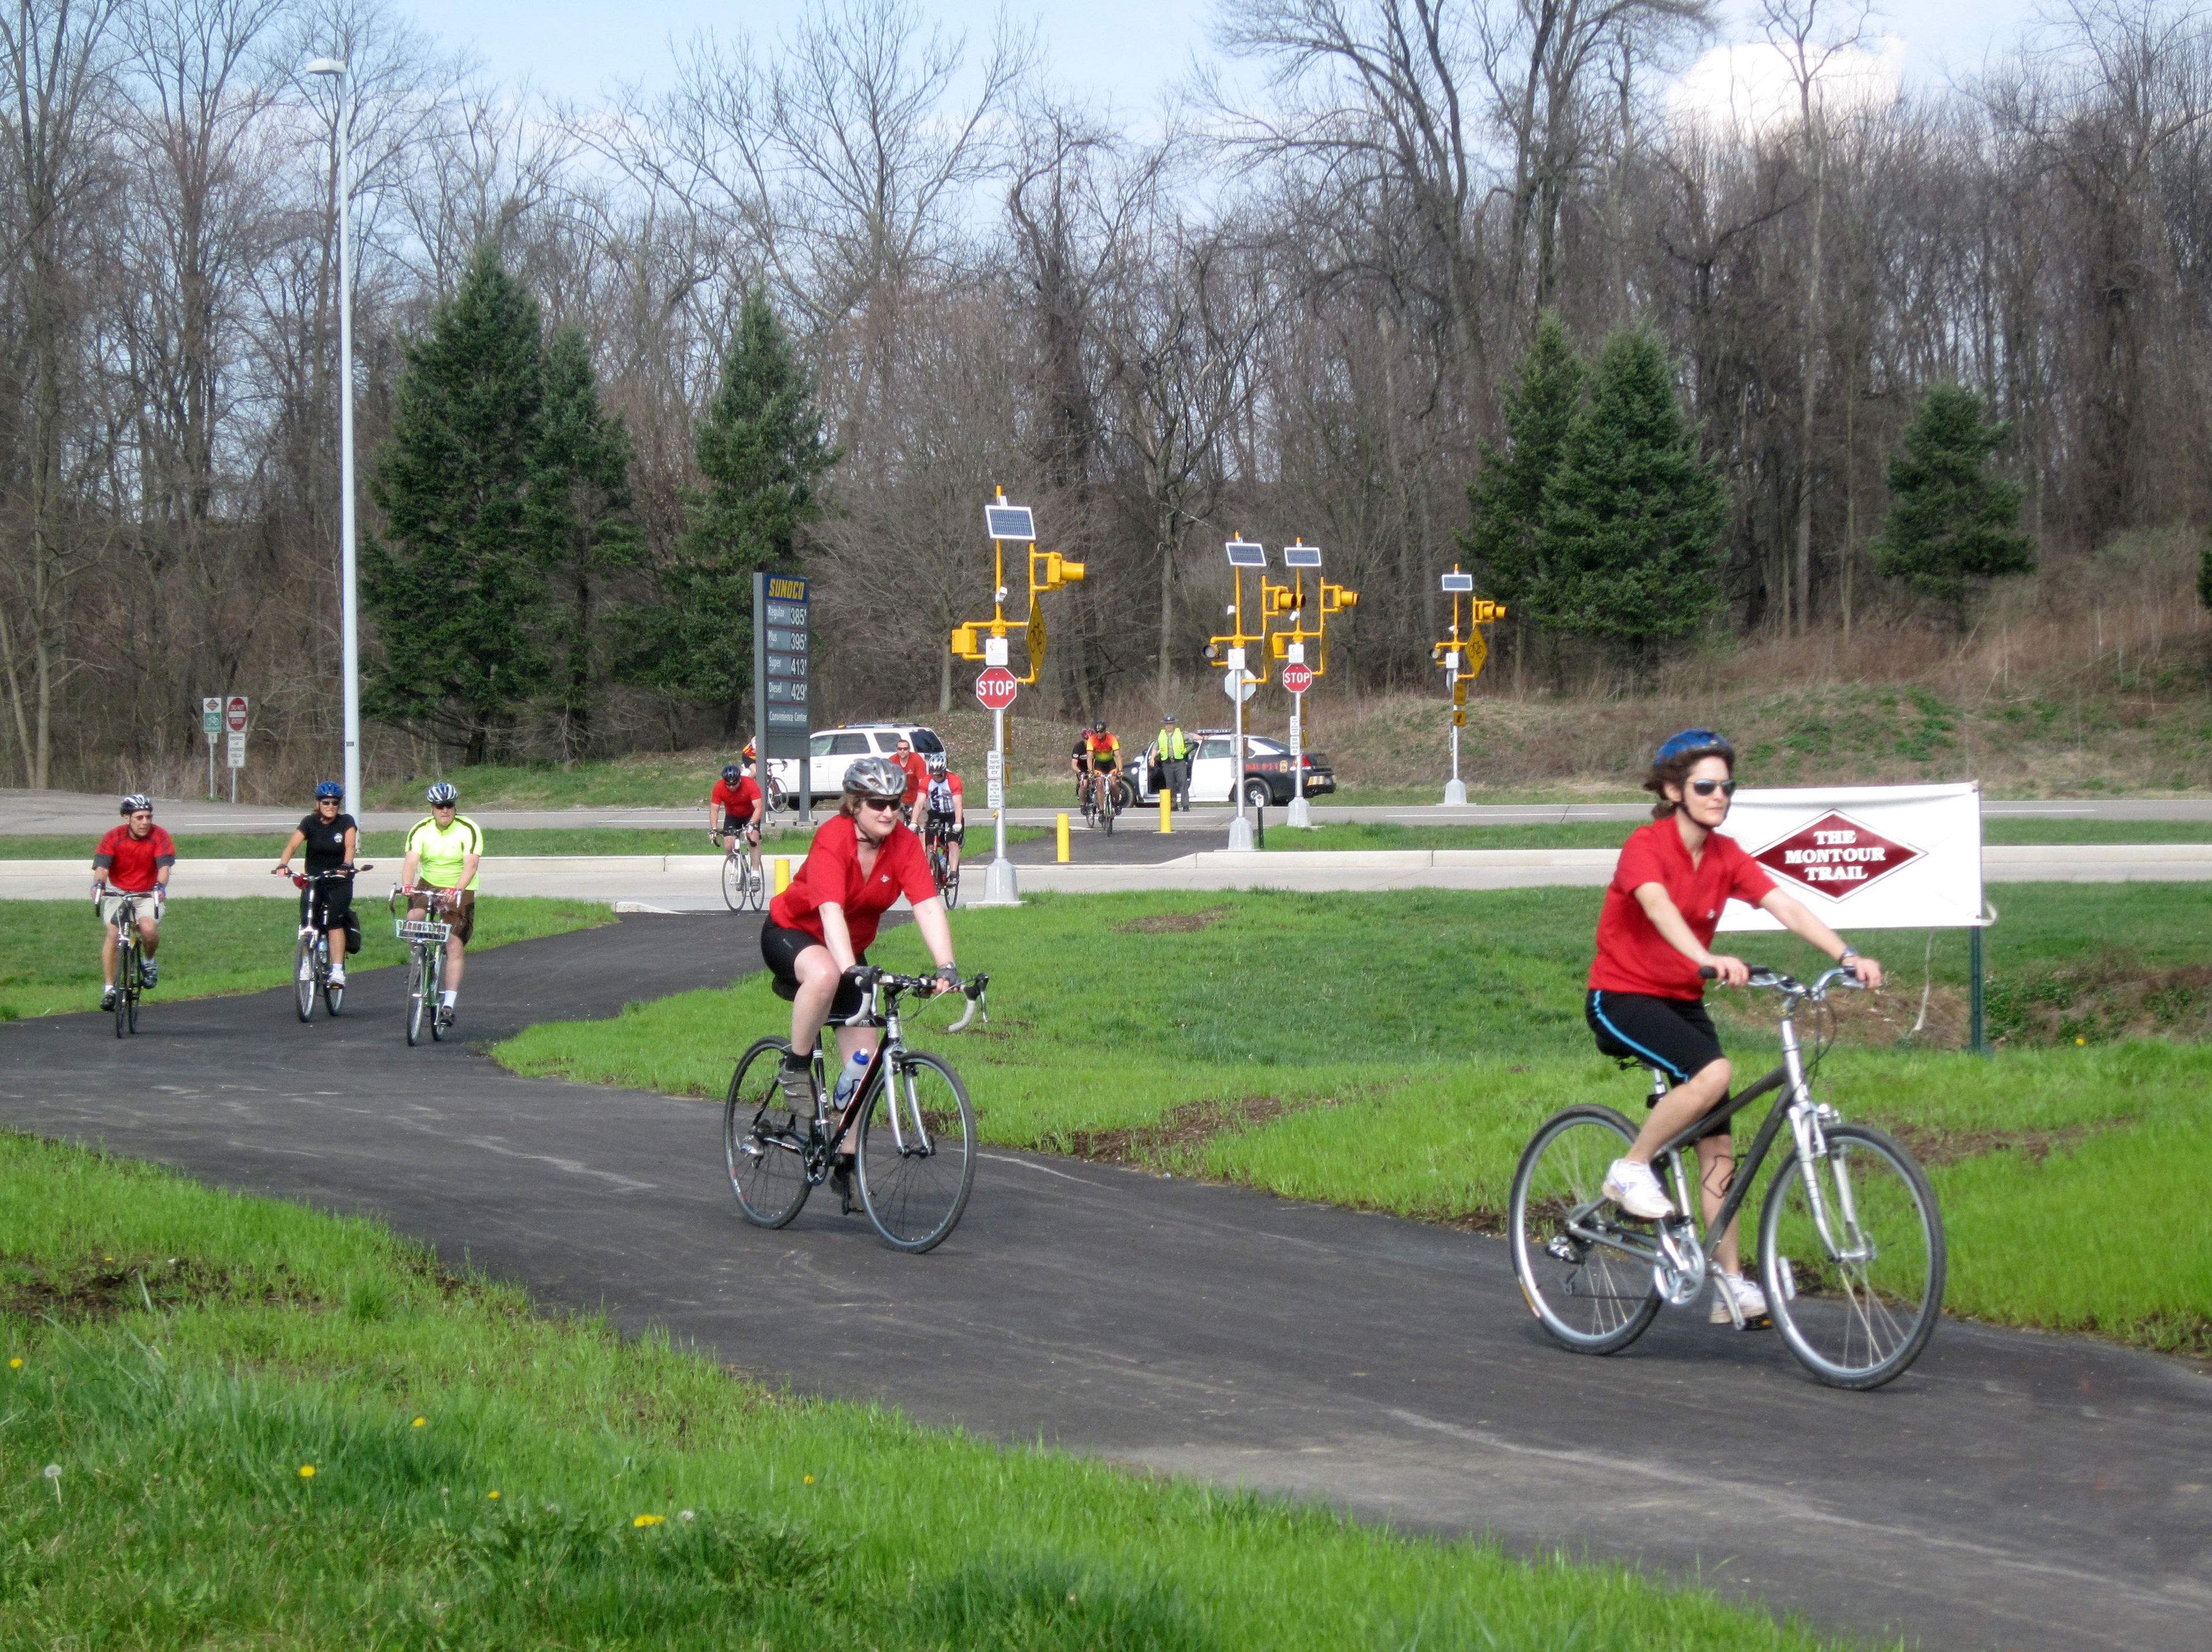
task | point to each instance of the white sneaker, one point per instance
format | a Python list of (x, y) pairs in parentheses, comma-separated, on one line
[(1636, 1190), (337, 977), (1750, 1301)]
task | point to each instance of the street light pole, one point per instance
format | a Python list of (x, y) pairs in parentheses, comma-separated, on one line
[(348, 598)]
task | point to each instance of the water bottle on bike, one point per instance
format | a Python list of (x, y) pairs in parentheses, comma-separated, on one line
[(848, 1079)]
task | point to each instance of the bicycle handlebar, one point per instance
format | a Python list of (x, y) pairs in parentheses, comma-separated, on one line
[(1790, 986)]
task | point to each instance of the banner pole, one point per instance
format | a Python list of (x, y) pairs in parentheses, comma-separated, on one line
[(1976, 1022)]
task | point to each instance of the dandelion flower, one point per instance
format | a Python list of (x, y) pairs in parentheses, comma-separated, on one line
[(650, 1519), (16, 1363), (306, 1471), (53, 1470), (810, 1480), (494, 1495), (422, 1421), (2081, 1040)]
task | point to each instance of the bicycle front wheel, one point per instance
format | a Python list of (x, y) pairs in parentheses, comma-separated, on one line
[(303, 978), (764, 1142), (434, 991), (1592, 1298), (917, 1152), (733, 881), (333, 992), (1852, 1258), (418, 971), (756, 886)]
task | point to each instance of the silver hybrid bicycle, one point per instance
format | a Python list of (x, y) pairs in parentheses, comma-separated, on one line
[(1850, 1244), (912, 1130)]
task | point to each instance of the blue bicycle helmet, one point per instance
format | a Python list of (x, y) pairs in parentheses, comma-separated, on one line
[(1695, 742), (331, 789), (443, 792)]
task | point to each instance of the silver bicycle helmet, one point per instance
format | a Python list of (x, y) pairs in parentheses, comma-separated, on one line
[(876, 777), (443, 792), (938, 763), (136, 801)]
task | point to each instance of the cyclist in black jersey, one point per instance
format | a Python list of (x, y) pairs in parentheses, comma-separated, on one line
[(331, 837)]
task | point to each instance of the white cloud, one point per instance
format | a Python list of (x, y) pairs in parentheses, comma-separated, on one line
[(1749, 91)]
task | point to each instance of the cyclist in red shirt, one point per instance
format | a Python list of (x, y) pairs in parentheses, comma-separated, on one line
[(1646, 995), (861, 860), (133, 859), (736, 807), (916, 767)]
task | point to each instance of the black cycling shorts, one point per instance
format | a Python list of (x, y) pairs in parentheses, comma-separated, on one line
[(334, 903), (779, 950), (940, 825), (1675, 1034)]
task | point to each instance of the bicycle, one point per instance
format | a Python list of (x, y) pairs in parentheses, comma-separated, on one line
[(938, 841), (908, 1117), (130, 957), (311, 958), (426, 940), (772, 792), (744, 882), (1851, 1243), (1112, 798)]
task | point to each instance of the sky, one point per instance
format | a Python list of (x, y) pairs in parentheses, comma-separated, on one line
[(1122, 55)]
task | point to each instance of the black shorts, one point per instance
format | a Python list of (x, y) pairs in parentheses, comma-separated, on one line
[(333, 902), (779, 950), (940, 825), (1673, 1035)]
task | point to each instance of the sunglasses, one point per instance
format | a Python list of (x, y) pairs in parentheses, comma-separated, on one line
[(888, 805), (1706, 788), (436, 806)]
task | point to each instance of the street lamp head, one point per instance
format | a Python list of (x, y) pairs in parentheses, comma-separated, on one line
[(327, 66)]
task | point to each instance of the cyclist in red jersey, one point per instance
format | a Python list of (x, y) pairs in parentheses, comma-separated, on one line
[(916, 769), (133, 859), (861, 860), (1646, 996), (737, 808)]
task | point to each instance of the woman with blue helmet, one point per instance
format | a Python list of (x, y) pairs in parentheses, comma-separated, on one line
[(1646, 993), (331, 837)]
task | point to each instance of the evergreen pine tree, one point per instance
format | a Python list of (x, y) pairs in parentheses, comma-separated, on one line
[(1632, 518), (452, 583), (578, 502), (762, 451), (1505, 539), (1949, 522)]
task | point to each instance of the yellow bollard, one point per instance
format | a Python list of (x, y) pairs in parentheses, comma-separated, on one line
[(782, 873), (1164, 801), (1063, 838)]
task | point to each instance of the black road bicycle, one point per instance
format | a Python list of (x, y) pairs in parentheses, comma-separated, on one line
[(311, 956), (938, 839), (129, 959), (1850, 1244), (908, 1117), (426, 938)]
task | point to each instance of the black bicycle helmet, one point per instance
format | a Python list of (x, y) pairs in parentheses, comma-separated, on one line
[(731, 774)]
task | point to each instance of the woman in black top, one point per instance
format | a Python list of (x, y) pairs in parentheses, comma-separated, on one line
[(330, 836)]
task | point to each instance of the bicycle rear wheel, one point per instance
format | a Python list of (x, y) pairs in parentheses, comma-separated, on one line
[(303, 978), (1856, 1289), (417, 970), (917, 1152), (764, 1142), (1592, 1298)]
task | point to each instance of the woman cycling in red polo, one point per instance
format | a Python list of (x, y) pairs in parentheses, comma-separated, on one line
[(1646, 993), (863, 858)]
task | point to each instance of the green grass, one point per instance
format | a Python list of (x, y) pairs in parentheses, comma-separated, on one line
[(1610, 834), (487, 1477), (1395, 1052), (50, 949), (387, 846)]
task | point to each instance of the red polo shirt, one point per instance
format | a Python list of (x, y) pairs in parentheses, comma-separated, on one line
[(131, 862), (738, 804), (917, 773), (1632, 955), (831, 877)]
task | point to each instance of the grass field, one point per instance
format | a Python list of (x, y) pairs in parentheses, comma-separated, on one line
[(1609, 834), (50, 949), (1395, 1052), (386, 848), (232, 1421)]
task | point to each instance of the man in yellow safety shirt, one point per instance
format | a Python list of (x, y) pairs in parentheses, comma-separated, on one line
[(1175, 763)]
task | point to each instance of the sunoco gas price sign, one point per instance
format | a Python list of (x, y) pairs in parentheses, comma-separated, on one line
[(1871, 857), (781, 628)]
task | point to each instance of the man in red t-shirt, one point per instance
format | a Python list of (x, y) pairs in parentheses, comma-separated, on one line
[(737, 807), (861, 860), (917, 776), (1646, 993), (134, 859)]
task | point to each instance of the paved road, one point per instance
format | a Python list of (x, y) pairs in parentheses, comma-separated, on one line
[(2014, 1490), (42, 813)]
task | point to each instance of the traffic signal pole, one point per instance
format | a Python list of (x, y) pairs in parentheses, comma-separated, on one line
[(1462, 656)]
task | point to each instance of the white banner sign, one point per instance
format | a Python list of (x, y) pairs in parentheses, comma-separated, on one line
[(1869, 857)]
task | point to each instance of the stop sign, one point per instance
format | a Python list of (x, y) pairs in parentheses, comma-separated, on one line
[(996, 688), (1298, 679), (234, 714)]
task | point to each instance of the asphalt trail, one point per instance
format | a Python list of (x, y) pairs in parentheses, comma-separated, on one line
[(2014, 1490)]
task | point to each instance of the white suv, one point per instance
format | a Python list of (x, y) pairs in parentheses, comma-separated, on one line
[(832, 751)]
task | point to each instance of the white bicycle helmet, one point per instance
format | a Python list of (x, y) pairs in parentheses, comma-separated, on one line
[(443, 792)]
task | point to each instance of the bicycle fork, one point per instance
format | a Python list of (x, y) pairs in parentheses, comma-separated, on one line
[(1807, 1121)]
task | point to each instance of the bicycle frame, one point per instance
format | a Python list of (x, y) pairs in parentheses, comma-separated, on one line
[(1795, 1106)]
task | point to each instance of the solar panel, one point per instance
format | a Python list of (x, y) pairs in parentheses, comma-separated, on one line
[(1009, 522), (1301, 556), (1458, 582), (1246, 553)]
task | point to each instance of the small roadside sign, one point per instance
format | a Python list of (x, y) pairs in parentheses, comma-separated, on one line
[(1236, 690), (996, 687), (1298, 679), (234, 714), (210, 716), (235, 753)]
